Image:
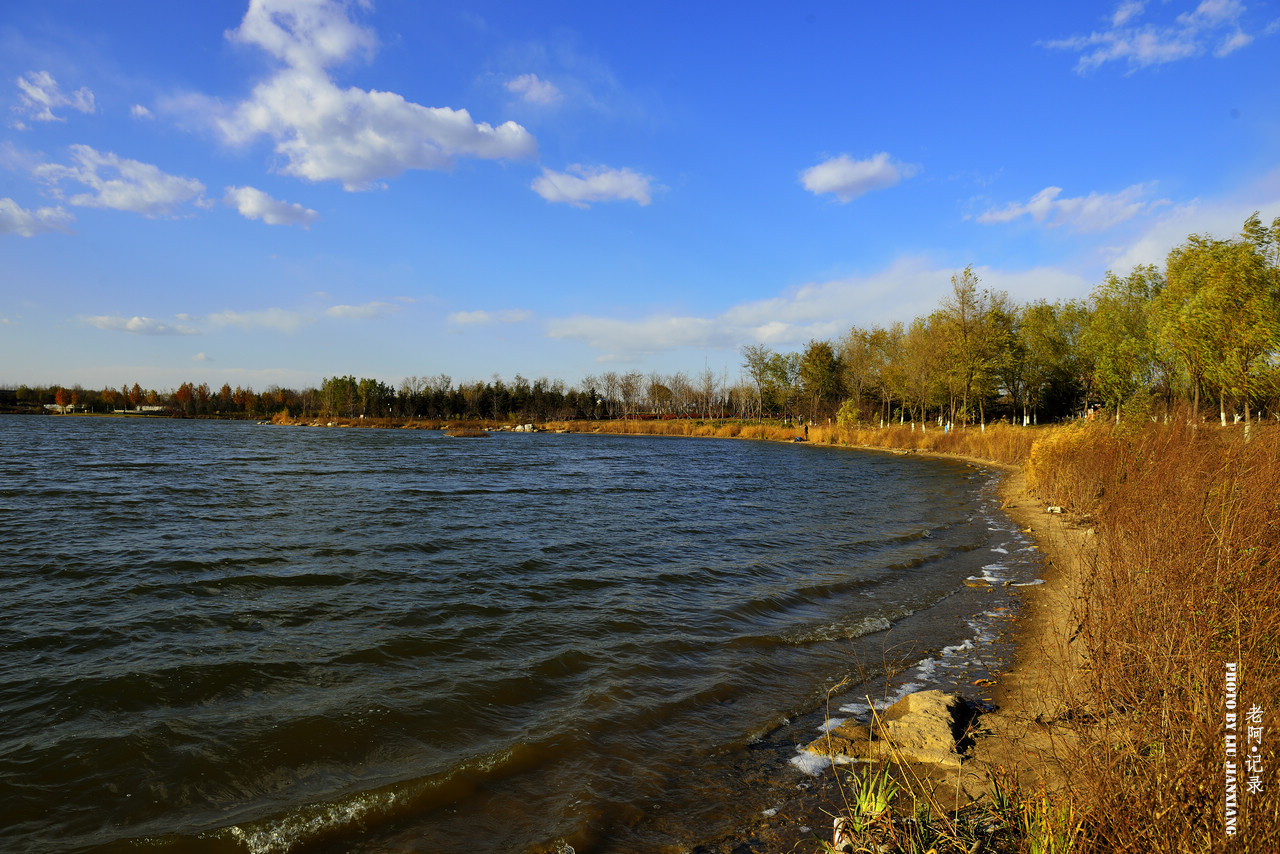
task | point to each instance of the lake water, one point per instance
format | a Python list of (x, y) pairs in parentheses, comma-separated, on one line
[(228, 637)]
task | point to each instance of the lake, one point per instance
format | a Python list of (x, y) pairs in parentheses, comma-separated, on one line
[(221, 636)]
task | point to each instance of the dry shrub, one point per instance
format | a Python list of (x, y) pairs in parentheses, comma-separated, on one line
[(1057, 469), (1185, 582), (1000, 443)]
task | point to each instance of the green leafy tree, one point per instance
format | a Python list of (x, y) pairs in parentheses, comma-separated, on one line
[(1049, 334), (923, 357), (782, 383), (820, 377), (966, 322), (1119, 336), (1220, 314)]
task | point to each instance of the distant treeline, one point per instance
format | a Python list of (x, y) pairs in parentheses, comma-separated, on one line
[(1205, 327)]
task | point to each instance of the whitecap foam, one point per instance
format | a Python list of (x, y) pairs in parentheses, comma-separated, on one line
[(967, 644), (995, 573), (861, 710), (810, 764), (840, 631), (1031, 583), (1000, 550)]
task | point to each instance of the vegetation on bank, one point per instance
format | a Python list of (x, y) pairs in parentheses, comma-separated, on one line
[(1181, 628), (1175, 744)]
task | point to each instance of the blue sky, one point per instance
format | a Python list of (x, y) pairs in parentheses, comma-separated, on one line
[(279, 191)]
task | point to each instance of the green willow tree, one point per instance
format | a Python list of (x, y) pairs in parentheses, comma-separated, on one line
[(1118, 338), (1220, 314)]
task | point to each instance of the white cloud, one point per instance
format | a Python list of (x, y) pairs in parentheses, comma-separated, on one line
[(1221, 218), (467, 318), (367, 311), (824, 310), (121, 184), (580, 185), (847, 178), (1212, 22), (39, 94), (303, 33), (279, 319), (138, 325), (1094, 212), (1232, 43), (289, 320), (533, 89), (201, 357), (1126, 11), (16, 220), (140, 112), (255, 204), (481, 317), (355, 136)]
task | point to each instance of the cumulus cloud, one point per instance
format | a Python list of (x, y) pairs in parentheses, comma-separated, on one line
[(39, 94), (139, 325), (1094, 212), (121, 184), (367, 311), (1215, 25), (14, 219), (255, 204), (303, 33), (353, 135), (140, 112), (580, 185), (847, 178), (533, 89)]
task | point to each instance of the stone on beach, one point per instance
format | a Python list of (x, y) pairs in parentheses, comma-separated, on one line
[(921, 727)]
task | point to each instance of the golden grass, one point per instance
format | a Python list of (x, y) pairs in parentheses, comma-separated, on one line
[(1185, 584)]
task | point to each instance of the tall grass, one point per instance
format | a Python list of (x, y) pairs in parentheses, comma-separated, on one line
[(999, 443), (1185, 581)]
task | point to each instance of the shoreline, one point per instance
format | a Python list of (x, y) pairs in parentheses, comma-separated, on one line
[(1023, 734), (1021, 740)]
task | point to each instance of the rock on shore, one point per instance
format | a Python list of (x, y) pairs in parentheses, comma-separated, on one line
[(922, 727)]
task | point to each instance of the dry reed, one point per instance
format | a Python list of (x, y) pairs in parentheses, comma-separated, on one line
[(1185, 584)]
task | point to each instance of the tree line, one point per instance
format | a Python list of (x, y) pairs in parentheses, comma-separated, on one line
[(1205, 327)]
